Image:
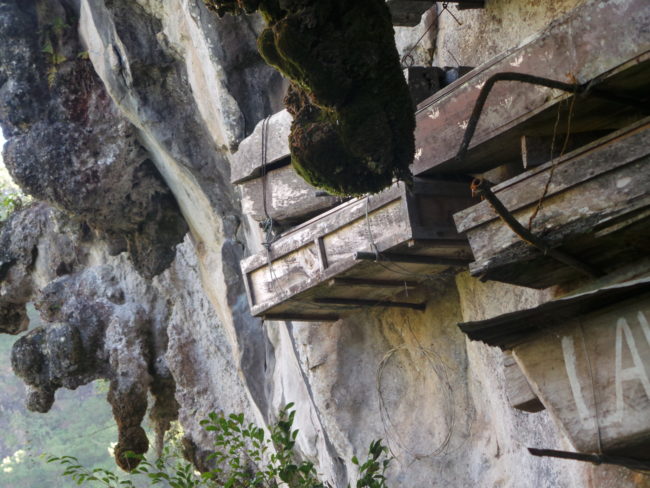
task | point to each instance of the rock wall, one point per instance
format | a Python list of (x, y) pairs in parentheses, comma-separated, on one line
[(126, 129)]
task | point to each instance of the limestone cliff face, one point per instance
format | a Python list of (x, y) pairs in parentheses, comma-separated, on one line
[(121, 117)]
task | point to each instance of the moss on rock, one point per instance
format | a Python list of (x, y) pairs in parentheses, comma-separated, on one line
[(353, 117)]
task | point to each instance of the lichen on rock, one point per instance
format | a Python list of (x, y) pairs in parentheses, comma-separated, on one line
[(353, 117)]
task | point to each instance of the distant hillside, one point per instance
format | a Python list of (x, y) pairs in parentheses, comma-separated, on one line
[(80, 424)]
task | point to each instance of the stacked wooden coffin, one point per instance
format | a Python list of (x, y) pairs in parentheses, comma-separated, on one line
[(585, 150), (371, 251), (596, 208)]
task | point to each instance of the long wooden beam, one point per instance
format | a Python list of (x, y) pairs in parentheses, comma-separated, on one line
[(372, 283), (410, 258), (370, 303), (301, 317)]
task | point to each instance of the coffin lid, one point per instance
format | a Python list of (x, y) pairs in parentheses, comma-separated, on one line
[(509, 329)]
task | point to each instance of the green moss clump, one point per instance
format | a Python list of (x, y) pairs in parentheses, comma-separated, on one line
[(353, 117)]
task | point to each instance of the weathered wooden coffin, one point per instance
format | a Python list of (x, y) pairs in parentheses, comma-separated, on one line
[(587, 357), (328, 266), (270, 187), (597, 209), (408, 13), (607, 43)]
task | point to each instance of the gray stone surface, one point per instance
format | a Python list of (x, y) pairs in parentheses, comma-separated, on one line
[(172, 87)]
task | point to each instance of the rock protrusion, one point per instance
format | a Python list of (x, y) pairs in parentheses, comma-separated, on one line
[(69, 145), (353, 116)]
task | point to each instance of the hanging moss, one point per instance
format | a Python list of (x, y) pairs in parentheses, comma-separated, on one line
[(353, 117)]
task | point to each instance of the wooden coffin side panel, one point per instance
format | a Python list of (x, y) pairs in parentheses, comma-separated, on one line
[(327, 265), (288, 197), (588, 162), (408, 13), (326, 254), (520, 394), (269, 136), (323, 224), (594, 39), (592, 374)]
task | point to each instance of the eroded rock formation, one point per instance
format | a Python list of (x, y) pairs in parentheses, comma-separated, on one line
[(98, 324)]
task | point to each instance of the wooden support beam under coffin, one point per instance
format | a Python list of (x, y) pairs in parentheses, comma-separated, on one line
[(409, 258), (597, 207), (313, 268), (607, 43), (359, 302), (587, 358)]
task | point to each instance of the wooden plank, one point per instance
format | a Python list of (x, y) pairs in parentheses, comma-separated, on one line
[(509, 330), (301, 267), (322, 253), (469, 4), (520, 394), (301, 317), (617, 149), (410, 258), (356, 302), (408, 13), (324, 224), (271, 136), (349, 282), (592, 374), (605, 185), (289, 199), (594, 40)]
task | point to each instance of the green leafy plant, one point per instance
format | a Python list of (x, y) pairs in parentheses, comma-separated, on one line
[(11, 199), (52, 49), (169, 469), (240, 446), (244, 456), (372, 471)]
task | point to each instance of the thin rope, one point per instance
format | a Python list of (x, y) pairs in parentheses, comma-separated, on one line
[(268, 224), (440, 371), (540, 202)]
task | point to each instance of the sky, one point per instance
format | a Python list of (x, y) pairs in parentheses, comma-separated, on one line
[(2, 143), (4, 174)]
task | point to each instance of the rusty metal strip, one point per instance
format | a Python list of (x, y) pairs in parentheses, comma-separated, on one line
[(479, 188), (574, 88)]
